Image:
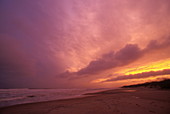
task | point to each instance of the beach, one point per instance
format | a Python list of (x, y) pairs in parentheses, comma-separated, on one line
[(119, 101)]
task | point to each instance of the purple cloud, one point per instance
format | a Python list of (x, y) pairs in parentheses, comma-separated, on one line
[(124, 56)]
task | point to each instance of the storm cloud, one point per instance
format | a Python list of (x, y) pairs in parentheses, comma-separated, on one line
[(42, 39), (125, 56)]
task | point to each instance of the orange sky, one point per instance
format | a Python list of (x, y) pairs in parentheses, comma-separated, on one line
[(86, 43)]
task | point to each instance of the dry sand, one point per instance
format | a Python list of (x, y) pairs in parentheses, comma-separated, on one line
[(120, 101)]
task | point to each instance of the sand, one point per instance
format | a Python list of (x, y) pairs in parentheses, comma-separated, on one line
[(120, 101)]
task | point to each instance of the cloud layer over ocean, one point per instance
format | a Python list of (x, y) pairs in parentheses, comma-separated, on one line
[(71, 43)]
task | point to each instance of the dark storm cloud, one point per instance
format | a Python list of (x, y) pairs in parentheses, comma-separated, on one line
[(42, 38), (18, 68), (15, 65), (158, 44), (26, 34), (125, 56)]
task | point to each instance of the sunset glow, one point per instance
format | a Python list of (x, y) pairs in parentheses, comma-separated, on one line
[(83, 43), (155, 66)]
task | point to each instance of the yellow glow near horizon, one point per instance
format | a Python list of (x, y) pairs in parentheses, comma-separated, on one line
[(100, 80), (155, 66), (148, 79)]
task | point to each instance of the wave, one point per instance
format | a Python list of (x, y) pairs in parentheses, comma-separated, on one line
[(10, 97)]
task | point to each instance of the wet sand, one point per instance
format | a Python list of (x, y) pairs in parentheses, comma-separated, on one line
[(120, 101)]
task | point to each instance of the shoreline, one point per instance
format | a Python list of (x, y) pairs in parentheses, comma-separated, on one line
[(123, 100), (61, 99), (33, 97)]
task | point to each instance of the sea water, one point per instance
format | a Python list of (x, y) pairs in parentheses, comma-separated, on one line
[(10, 97)]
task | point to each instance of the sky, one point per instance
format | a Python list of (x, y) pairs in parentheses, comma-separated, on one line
[(83, 43)]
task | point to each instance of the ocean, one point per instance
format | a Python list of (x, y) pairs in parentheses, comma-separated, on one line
[(9, 97)]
